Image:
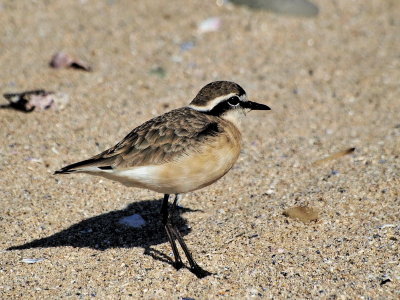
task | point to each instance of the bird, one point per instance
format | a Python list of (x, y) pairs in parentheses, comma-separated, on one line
[(178, 152)]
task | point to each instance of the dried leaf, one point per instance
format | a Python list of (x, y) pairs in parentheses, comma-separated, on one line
[(335, 156), (37, 100), (64, 60), (303, 213)]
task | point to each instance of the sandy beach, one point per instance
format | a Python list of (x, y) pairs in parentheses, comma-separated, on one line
[(332, 82)]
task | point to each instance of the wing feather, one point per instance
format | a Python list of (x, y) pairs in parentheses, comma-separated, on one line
[(156, 141)]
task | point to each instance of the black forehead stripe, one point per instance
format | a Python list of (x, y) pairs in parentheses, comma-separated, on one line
[(219, 109)]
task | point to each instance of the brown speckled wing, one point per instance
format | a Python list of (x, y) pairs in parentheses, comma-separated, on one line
[(160, 140)]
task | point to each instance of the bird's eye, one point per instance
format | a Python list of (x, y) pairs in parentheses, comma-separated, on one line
[(234, 101)]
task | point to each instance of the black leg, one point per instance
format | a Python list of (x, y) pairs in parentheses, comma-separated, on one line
[(194, 267), (170, 235)]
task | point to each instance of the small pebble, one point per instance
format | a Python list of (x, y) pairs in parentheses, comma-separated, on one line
[(158, 71), (209, 25), (134, 221), (303, 213), (186, 46), (62, 60), (298, 8), (270, 192), (32, 260), (387, 226)]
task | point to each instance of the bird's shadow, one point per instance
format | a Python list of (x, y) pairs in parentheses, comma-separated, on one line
[(105, 231)]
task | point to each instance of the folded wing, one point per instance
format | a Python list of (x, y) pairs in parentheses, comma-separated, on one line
[(157, 141)]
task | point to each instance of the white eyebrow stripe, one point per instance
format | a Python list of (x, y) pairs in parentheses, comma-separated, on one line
[(210, 105)]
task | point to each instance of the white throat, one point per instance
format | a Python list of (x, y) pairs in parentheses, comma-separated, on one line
[(235, 116)]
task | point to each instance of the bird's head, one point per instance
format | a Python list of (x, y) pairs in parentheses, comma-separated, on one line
[(224, 99)]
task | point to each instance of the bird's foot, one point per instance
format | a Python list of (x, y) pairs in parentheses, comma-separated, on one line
[(178, 265), (199, 272)]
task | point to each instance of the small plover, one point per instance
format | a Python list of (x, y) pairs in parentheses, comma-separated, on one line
[(180, 151)]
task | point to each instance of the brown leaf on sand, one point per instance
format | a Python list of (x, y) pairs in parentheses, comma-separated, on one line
[(303, 213), (37, 100), (64, 60), (334, 156)]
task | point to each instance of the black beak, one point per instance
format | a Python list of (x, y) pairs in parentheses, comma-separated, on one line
[(254, 105)]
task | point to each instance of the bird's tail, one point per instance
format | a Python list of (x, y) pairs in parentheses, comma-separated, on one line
[(89, 165)]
